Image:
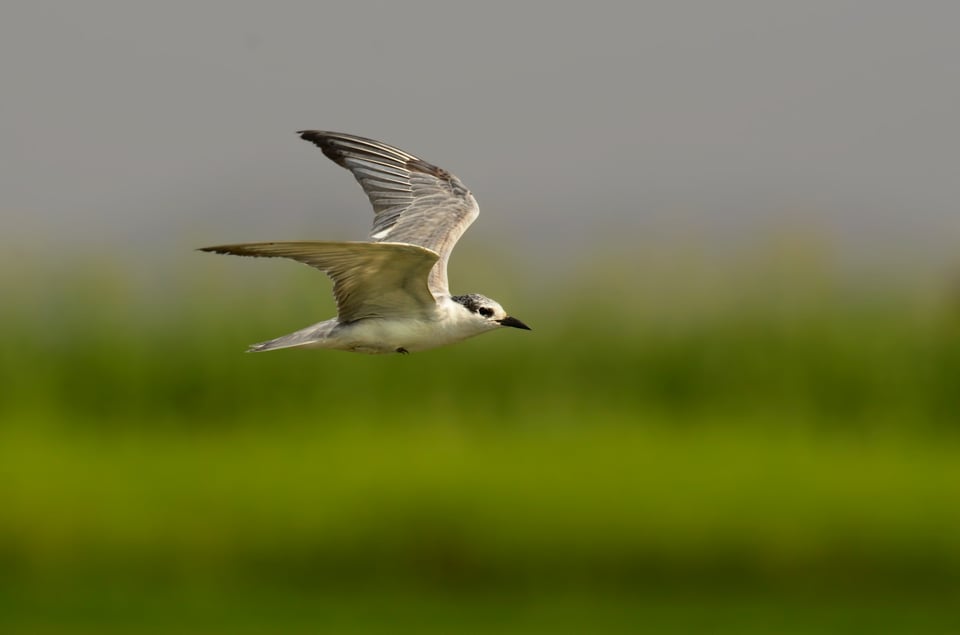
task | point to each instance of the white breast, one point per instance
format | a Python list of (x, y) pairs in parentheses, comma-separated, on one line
[(451, 323)]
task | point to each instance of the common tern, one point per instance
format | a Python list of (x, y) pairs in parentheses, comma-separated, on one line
[(392, 293)]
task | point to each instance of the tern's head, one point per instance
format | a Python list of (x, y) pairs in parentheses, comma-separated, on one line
[(487, 312)]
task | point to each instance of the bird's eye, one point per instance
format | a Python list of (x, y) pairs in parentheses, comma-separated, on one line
[(486, 312)]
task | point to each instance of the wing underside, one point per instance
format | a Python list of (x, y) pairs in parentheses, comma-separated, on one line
[(369, 279)]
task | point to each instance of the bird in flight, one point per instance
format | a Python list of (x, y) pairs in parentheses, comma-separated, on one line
[(392, 293)]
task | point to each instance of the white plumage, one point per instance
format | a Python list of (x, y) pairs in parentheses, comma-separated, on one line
[(391, 296)]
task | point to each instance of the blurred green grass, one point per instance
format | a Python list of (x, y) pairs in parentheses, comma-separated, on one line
[(786, 444)]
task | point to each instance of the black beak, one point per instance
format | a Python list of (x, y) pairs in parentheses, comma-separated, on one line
[(514, 322)]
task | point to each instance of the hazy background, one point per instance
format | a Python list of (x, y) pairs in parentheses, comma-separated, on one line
[(732, 226), (147, 124)]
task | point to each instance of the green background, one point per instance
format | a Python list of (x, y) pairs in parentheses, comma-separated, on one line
[(761, 447)]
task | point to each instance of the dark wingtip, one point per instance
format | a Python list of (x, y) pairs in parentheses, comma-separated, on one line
[(317, 137), (230, 250), (313, 136), (322, 140), (337, 146)]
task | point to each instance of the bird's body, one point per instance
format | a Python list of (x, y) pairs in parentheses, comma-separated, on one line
[(450, 323), (392, 293)]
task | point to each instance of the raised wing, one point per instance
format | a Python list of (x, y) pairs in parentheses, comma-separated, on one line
[(413, 201), (369, 279)]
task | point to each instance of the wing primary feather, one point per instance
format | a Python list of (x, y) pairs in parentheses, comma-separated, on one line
[(369, 279), (414, 201)]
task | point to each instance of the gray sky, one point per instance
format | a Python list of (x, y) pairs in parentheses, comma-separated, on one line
[(167, 125)]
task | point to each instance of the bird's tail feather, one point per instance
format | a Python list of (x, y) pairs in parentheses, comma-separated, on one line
[(310, 336), (272, 345)]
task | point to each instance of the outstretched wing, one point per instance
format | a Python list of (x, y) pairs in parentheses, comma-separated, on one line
[(413, 201), (369, 279)]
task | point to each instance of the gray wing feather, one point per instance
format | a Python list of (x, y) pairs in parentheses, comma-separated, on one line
[(369, 279), (413, 201)]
